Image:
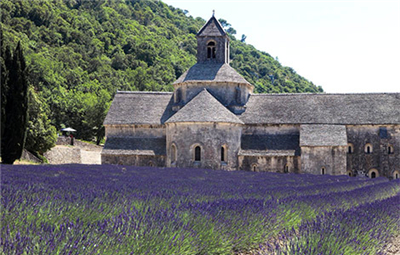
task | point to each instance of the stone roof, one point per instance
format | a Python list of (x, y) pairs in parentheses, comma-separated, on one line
[(268, 153), (204, 108), (323, 135), (212, 28), (357, 109), (211, 72), (286, 143), (140, 108), (134, 146)]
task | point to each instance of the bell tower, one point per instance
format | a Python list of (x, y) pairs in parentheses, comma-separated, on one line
[(212, 43)]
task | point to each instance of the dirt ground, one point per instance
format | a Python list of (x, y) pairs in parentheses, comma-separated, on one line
[(90, 157), (394, 247)]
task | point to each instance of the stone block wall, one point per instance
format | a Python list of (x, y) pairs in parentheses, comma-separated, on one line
[(64, 155), (142, 131), (210, 137), (380, 138), (133, 160), (275, 164), (323, 160)]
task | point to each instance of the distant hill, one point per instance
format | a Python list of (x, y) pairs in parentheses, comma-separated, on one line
[(81, 52)]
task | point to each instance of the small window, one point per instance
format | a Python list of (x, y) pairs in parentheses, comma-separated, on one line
[(373, 173), (197, 153), (173, 153), (368, 148), (323, 170), (390, 149), (396, 175), (254, 167), (151, 164), (211, 50), (350, 173), (223, 154), (350, 148)]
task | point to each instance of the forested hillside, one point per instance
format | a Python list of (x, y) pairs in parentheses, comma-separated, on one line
[(79, 53)]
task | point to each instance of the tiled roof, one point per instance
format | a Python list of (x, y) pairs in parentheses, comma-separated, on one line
[(140, 108), (212, 28), (211, 72), (268, 153), (323, 135), (134, 146), (345, 109), (272, 143), (204, 108)]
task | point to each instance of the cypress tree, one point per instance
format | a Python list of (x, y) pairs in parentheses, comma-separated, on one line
[(5, 61), (15, 108)]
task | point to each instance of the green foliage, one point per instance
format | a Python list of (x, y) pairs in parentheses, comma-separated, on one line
[(15, 107), (41, 135), (87, 50)]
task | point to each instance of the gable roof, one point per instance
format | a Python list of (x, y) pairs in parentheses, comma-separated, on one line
[(211, 72), (204, 108), (212, 28), (345, 109), (140, 108), (323, 135)]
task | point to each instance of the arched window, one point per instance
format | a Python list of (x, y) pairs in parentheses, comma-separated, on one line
[(396, 175), (350, 148), (350, 173), (254, 167), (323, 170), (223, 154), (368, 148), (373, 173), (390, 149), (211, 50), (173, 153), (197, 153), (286, 169)]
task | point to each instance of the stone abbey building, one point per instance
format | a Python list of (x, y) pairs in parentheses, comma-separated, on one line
[(213, 120)]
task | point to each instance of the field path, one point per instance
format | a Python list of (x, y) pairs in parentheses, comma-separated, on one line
[(90, 157), (394, 247)]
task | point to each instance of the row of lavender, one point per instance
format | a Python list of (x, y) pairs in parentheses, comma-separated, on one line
[(126, 210)]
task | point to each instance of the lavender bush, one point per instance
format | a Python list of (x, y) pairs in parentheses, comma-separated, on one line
[(78, 209)]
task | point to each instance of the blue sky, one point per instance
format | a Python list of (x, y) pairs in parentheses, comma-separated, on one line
[(344, 46)]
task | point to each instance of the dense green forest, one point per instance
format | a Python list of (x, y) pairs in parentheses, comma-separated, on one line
[(79, 53)]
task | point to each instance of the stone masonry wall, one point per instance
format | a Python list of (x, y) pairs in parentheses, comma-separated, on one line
[(330, 158), (64, 155), (274, 164), (210, 137), (134, 160), (380, 138)]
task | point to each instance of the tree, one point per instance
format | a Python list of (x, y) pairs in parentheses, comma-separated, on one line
[(41, 135), (15, 108), (244, 37)]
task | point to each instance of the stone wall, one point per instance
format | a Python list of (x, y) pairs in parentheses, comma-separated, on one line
[(143, 131), (26, 155), (134, 160), (275, 164), (222, 49), (380, 138), (323, 160), (227, 93), (210, 137), (64, 155)]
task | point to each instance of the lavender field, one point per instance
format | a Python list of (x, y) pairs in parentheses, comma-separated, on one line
[(79, 209)]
